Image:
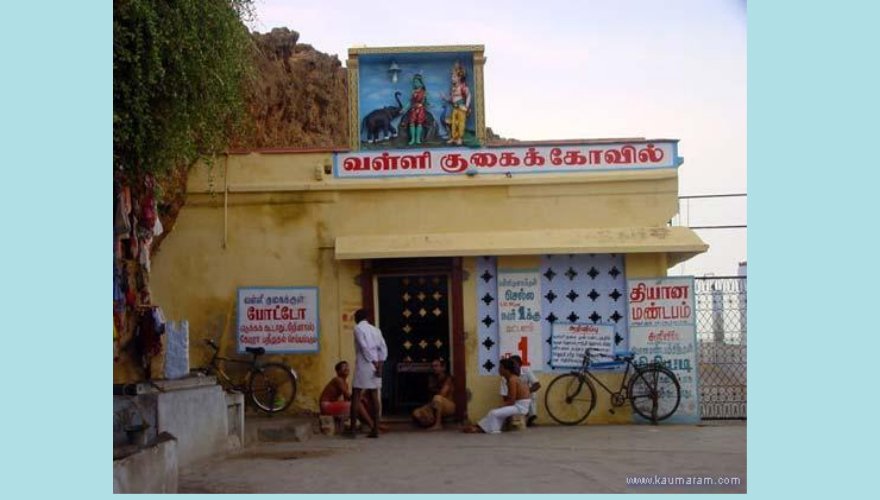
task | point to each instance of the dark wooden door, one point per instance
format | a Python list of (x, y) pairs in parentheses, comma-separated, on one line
[(414, 318)]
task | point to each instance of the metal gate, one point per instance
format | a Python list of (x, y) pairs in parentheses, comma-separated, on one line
[(721, 335)]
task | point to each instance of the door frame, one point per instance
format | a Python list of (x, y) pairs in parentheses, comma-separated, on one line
[(415, 266)]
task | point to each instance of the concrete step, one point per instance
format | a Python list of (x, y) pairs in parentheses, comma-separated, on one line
[(278, 428)]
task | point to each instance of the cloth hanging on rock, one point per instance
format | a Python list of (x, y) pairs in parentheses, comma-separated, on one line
[(121, 222), (147, 335)]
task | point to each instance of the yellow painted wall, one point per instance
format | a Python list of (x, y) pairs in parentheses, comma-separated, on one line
[(272, 219)]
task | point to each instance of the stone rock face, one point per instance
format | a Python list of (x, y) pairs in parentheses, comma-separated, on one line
[(298, 97)]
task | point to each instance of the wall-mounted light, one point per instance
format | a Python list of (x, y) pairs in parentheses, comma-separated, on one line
[(394, 71)]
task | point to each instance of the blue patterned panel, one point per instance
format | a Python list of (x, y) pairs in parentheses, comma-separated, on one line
[(487, 315), (584, 288)]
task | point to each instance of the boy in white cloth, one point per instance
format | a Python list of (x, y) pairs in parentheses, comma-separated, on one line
[(370, 353), (516, 402)]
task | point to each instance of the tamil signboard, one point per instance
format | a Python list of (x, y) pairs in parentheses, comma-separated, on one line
[(571, 340), (663, 330), (587, 157), (661, 301), (519, 316), (280, 320)]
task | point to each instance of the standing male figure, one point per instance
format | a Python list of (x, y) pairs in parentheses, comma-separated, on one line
[(460, 99), (370, 353)]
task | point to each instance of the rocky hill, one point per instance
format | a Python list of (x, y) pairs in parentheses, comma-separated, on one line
[(297, 99), (298, 96)]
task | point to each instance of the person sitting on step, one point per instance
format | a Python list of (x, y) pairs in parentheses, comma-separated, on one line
[(441, 388), (335, 399), (532, 383), (516, 402)]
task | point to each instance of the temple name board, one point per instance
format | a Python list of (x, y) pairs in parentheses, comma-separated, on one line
[(543, 159)]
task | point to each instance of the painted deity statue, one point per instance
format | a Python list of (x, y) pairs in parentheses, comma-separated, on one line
[(460, 99), (417, 114)]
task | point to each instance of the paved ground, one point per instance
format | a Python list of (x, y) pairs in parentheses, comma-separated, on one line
[(589, 459)]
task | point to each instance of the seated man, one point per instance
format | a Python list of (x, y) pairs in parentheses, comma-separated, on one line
[(534, 386), (336, 398), (441, 387), (516, 400)]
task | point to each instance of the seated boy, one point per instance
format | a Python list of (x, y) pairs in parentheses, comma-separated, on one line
[(335, 399)]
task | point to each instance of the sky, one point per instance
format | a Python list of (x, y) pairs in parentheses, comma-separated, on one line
[(584, 70)]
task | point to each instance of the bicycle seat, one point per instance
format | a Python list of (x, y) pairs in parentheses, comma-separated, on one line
[(259, 351)]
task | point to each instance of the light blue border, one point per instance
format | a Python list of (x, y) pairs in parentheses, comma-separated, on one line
[(317, 290), (57, 205), (604, 365), (812, 87)]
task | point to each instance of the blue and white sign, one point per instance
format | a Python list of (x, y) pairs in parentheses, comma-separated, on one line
[(280, 320), (571, 340), (519, 316), (663, 331)]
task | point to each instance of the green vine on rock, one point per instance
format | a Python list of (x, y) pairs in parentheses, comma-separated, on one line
[(180, 73)]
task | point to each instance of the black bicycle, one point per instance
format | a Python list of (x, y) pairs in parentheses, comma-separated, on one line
[(652, 390), (271, 387)]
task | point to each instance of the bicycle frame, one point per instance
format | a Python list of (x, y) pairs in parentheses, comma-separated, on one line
[(585, 369), (577, 393), (269, 396), (224, 377)]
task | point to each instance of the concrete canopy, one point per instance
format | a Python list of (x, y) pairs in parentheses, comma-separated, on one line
[(680, 243)]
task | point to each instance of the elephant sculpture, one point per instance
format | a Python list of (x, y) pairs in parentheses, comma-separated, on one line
[(377, 123)]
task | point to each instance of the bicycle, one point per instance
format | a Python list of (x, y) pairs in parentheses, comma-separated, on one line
[(652, 390), (270, 387)]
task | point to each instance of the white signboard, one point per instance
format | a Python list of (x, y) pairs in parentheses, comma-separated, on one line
[(663, 331), (666, 301), (673, 347), (519, 316), (281, 320), (586, 157), (571, 340)]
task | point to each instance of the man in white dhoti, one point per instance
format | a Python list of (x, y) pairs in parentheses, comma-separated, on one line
[(532, 383), (370, 353), (516, 402)]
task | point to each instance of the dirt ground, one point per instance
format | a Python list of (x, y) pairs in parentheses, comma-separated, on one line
[(587, 459)]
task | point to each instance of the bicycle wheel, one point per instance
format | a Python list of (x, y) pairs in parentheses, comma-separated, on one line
[(272, 387), (570, 398), (654, 393)]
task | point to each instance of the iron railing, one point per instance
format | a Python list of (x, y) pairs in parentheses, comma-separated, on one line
[(721, 336)]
